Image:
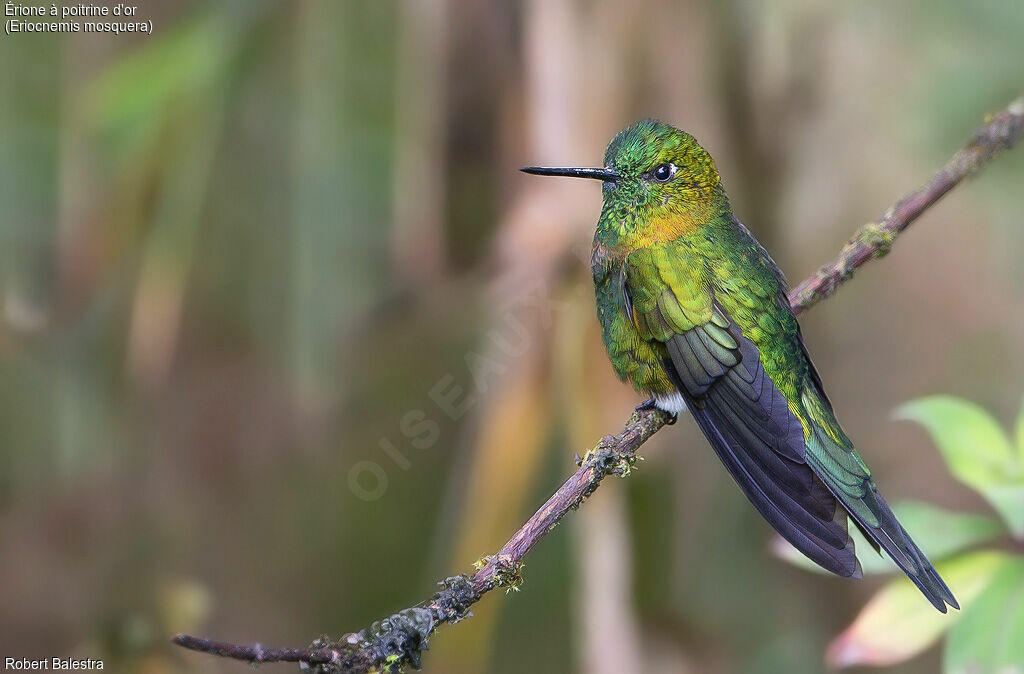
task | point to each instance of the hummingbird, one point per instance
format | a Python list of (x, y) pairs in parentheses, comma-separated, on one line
[(694, 313)]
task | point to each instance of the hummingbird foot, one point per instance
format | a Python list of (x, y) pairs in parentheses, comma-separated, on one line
[(651, 404), (648, 404)]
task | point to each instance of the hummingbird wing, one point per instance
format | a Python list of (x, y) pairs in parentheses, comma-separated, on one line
[(738, 407), (797, 480)]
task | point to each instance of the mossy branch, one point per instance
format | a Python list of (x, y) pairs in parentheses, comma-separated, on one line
[(399, 640)]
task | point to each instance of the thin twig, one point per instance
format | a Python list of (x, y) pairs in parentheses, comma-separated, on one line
[(1000, 132), (390, 644), (258, 654)]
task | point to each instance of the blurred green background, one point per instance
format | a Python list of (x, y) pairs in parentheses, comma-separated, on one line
[(285, 336)]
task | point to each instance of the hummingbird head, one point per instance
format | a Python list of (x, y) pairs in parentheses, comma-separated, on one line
[(659, 183)]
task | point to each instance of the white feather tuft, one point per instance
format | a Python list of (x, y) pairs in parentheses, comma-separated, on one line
[(672, 403)]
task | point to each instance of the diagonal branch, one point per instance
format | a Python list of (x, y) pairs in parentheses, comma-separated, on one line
[(390, 644), (1000, 132)]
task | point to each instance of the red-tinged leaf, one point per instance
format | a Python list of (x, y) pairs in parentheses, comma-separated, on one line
[(898, 623)]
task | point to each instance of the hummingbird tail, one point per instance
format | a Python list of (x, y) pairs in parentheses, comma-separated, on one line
[(875, 519)]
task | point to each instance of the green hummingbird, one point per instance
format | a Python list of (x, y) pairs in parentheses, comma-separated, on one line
[(694, 313)]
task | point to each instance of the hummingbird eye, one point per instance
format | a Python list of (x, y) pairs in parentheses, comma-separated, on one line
[(663, 172)]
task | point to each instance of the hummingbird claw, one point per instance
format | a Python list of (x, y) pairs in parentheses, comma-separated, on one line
[(648, 404), (651, 404)]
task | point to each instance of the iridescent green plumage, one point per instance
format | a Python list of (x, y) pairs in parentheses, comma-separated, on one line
[(694, 313)]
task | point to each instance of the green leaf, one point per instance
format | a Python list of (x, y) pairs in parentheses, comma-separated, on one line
[(939, 532), (975, 447), (990, 637), (1008, 501), (977, 451), (1020, 433), (898, 623)]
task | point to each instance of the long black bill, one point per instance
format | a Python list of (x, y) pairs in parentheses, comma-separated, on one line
[(604, 174)]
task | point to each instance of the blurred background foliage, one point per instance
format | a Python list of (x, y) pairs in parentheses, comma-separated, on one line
[(285, 337), (985, 635)]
